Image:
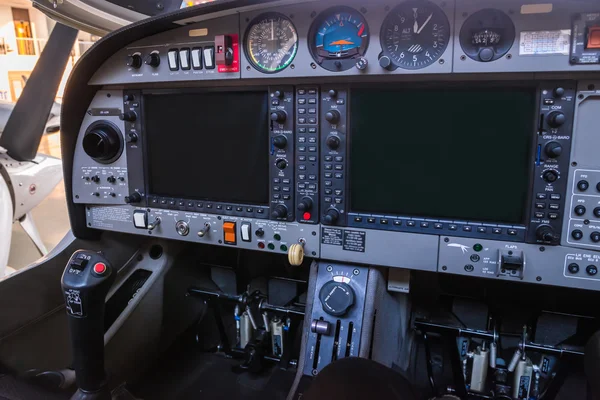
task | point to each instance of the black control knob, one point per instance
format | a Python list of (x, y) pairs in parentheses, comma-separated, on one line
[(550, 176), (281, 164), (385, 62), (280, 212), (260, 232), (133, 198), (546, 234), (280, 141), (333, 116), (305, 205), (333, 93), (103, 142), (134, 61), (583, 186), (111, 179), (362, 63), (577, 234), (595, 237), (278, 94), (278, 116), (153, 60), (556, 119), (573, 268), (331, 216), (132, 137), (559, 92), (336, 298), (598, 186), (128, 97), (597, 212), (579, 210), (96, 179), (553, 149), (333, 142), (129, 116)]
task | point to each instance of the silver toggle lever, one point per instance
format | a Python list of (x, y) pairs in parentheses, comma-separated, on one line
[(153, 225), (204, 231)]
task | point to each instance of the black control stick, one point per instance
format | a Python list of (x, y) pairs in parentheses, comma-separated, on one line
[(86, 282)]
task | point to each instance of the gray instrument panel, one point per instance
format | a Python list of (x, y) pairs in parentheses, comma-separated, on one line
[(534, 26), (542, 43)]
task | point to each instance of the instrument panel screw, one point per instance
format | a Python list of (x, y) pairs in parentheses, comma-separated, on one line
[(444, 268), (329, 268), (542, 249), (539, 279), (442, 61), (313, 14), (313, 65), (463, 58), (363, 10), (509, 56), (446, 240), (356, 271)]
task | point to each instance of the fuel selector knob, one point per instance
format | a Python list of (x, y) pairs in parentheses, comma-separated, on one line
[(280, 141), (556, 119), (553, 149), (333, 116), (279, 116), (550, 176), (331, 216), (280, 211), (336, 298), (333, 142)]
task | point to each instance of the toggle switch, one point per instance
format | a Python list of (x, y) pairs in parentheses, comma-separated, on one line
[(173, 58), (246, 232), (140, 219), (209, 57)]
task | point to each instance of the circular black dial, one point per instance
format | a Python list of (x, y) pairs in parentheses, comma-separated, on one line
[(415, 34), (487, 35), (271, 42), (336, 298), (338, 37)]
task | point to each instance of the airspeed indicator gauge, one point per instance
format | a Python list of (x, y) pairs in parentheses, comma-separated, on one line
[(271, 42)]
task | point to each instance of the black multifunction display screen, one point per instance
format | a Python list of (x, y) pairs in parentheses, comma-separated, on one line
[(455, 154), (208, 146)]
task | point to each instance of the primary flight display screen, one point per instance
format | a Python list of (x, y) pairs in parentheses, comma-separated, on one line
[(461, 154), (208, 146)]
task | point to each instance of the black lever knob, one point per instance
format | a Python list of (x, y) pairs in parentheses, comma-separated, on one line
[(553, 149), (333, 116), (153, 60), (333, 142), (134, 61), (305, 205), (129, 116), (332, 216), (279, 212), (550, 176), (546, 234), (280, 141), (279, 116), (556, 119), (133, 198)]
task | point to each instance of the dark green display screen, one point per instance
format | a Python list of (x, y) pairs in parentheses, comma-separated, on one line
[(460, 154)]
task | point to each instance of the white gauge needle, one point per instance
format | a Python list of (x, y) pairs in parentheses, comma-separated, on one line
[(272, 31), (416, 26), (425, 23)]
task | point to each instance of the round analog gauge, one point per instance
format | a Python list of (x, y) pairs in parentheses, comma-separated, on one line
[(414, 35), (271, 42), (487, 35), (339, 37)]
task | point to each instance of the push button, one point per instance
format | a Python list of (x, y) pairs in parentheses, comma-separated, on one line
[(172, 56), (229, 232), (100, 268)]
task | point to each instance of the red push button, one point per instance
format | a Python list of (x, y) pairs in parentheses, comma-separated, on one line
[(306, 216), (100, 268)]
